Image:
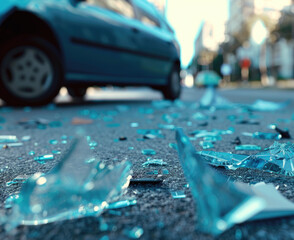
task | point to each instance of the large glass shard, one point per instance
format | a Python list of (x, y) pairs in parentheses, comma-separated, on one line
[(73, 189), (278, 158), (220, 204), (261, 105)]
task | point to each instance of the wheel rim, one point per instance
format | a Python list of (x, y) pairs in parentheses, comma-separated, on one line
[(27, 72), (175, 82)]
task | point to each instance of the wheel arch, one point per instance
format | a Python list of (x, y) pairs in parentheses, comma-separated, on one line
[(27, 23)]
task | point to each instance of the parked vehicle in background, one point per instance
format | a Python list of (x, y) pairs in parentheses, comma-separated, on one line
[(45, 45)]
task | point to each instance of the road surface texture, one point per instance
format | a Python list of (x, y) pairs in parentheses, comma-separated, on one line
[(156, 212)]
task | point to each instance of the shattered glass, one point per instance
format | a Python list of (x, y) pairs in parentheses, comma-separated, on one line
[(221, 158), (73, 189), (122, 204), (278, 158), (44, 159), (220, 204), (8, 139), (178, 194)]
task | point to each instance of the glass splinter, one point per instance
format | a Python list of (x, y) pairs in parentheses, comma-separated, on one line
[(134, 233), (247, 147), (178, 194), (155, 162), (8, 139), (122, 204), (43, 159), (73, 189), (220, 204)]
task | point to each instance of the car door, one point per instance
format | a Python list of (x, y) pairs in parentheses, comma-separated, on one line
[(100, 41), (155, 44)]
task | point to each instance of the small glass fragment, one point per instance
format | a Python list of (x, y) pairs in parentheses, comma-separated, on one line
[(134, 233), (166, 126), (26, 138), (56, 152), (248, 122), (148, 152), (9, 202), (206, 144), (53, 142), (8, 139), (71, 190), (32, 153), (263, 135), (154, 162), (173, 146), (17, 180), (154, 172), (122, 204), (178, 194), (165, 171), (122, 138), (43, 159), (248, 147), (134, 125), (7, 145)]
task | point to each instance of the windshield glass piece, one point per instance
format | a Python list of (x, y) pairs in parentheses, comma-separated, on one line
[(220, 204), (73, 189)]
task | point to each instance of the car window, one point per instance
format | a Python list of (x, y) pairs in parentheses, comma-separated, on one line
[(147, 19), (122, 7)]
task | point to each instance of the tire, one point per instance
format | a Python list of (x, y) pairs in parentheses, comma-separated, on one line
[(173, 88), (30, 71), (76, 92)]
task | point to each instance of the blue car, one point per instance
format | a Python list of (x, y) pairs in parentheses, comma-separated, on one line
[(47, 44)]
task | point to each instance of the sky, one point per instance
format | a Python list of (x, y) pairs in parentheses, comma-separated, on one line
[(186, 16)]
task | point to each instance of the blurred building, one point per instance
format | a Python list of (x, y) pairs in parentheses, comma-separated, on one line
[(278, 50), (207, 43), (159, 4)]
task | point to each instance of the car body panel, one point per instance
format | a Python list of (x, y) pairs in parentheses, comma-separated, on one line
[(100, 46)]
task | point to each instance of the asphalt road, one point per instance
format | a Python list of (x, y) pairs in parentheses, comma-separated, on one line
[(113, 111)]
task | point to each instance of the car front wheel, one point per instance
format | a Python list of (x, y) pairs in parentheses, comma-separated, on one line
[(173, 88), (30, 71)]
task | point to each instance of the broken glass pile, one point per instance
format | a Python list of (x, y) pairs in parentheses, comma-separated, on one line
[(221, 203), (278, 158), (73, 189)]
